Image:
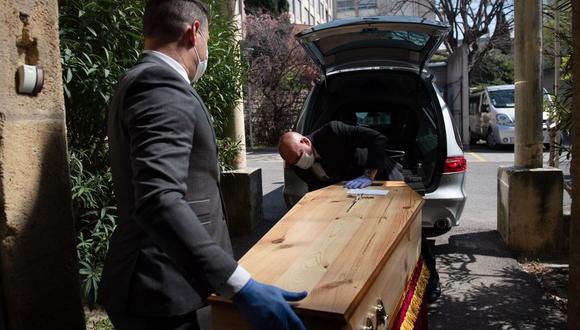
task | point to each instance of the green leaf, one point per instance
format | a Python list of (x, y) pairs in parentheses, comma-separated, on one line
[(92, 31), (69, 75)]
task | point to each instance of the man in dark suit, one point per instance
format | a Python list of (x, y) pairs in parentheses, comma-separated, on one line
[(339, 152), (171, 248)]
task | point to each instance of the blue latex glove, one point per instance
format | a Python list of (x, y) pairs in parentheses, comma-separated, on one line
[(360, 182), (266, 306)]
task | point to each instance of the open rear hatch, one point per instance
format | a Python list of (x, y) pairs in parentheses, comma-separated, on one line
[(373, 41)]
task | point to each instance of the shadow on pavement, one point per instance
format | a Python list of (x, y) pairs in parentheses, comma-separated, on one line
[(477, 296), (487, 243), (483, 148), (501, 149), (274, 209)]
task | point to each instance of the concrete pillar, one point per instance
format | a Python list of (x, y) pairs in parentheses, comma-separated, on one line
[(529, 95), (529, 211), (38, 265), (458, 90), (237, 132), (236, 129), (242, 187), (244, 209), (574, 289), (530, 216)]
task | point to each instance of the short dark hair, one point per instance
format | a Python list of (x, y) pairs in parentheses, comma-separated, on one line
[(164, 20)]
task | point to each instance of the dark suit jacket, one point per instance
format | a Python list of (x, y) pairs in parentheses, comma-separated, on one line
[(171, 248), (346, 151)]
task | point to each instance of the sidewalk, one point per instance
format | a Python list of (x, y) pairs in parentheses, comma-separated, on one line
[(483, 286)]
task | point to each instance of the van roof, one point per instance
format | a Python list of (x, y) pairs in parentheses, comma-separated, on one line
[(500, 87), (474, 90)]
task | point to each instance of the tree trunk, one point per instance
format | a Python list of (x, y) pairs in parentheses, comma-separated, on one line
[(555, 136), (235, 129), (528, 75), (574, 291), (229, 7)]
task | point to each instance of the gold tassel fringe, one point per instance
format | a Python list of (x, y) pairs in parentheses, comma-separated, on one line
[(415, 305)]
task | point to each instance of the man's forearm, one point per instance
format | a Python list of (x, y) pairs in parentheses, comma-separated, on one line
[(371, 173)]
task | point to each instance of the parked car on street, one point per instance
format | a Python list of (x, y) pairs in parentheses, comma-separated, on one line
[(373, 75), (492, 116)]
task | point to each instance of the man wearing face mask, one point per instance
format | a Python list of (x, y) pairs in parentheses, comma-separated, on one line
[(338, 152), (171, 248)]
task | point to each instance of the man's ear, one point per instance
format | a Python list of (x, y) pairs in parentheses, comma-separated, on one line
[(192, 32)]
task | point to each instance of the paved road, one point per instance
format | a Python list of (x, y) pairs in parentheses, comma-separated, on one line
[(484, 287), (273, 202)]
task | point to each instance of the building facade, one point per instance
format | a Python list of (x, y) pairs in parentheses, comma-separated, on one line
[(351, 8), (311, 12)]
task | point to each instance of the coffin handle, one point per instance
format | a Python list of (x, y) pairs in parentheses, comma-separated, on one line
[(368, 324), (382, 319)]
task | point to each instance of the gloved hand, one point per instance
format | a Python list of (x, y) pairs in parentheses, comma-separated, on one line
[(266, 306), (360, 182)]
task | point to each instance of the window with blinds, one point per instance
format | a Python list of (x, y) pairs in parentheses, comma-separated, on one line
[(343, 5)]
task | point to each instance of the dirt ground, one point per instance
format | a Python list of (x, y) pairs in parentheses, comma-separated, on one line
[(97, 320), (554, 280)]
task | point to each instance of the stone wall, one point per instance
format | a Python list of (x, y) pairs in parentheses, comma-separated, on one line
[(39, 270)]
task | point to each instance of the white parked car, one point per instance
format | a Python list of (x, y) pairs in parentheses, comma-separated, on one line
[(373, 76), (492, 116)]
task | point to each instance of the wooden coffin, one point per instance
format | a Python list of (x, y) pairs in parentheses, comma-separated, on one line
[(349, 259)]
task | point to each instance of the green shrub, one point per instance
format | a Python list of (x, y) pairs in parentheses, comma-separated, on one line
[(228, 152), (96, 218), (221, 87), (561, 110), (99, 41)]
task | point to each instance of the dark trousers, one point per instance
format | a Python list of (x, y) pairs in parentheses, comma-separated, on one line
[(428, 256), (196, 320)]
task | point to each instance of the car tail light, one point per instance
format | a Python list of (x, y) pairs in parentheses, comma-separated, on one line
[(455, 164)]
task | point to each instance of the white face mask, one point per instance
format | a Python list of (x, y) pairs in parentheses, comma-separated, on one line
[(201, 65), (305, 162)]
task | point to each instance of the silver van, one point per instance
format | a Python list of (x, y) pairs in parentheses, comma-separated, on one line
[(373, 75), (492, 116)]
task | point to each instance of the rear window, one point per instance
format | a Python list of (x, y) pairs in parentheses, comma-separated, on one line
[(373, 38), (374, 119)]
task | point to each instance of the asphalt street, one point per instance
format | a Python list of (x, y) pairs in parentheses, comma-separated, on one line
[(483, 285)]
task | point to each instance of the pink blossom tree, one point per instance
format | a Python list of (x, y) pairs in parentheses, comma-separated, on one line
[(280, 76)]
